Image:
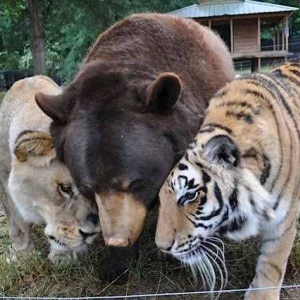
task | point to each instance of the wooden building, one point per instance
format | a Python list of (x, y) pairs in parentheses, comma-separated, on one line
[(245, 26)]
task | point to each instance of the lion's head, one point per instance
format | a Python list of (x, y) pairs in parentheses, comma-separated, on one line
[(44, 192)]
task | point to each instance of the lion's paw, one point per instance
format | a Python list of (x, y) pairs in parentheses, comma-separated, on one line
[(62, 258)]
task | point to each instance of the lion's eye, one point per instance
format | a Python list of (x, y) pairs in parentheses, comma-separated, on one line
[(66, 190)]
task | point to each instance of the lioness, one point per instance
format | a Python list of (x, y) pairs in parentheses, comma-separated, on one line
[(35, 186)]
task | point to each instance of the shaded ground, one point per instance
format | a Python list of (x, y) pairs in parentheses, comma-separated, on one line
[(38, 277)]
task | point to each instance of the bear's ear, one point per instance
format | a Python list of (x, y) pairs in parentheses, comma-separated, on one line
[(164, 92), (35, 147), (222, 150), (52, 106)]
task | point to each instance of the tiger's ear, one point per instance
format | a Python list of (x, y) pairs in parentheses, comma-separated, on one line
[(35, 147), (222, 150), (52, 106), (163, 92)]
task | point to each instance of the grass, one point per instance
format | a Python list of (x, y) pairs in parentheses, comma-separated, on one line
[(37, 276), (264, 69)]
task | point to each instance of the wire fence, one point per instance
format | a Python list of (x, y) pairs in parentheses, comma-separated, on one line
[(140, 296)]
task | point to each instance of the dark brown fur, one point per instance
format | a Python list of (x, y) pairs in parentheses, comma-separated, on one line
[(131, 111)]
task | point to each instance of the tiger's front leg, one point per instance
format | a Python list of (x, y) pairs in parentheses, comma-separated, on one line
[(275, 249)]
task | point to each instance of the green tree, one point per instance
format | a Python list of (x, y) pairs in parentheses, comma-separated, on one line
[(64, 30)]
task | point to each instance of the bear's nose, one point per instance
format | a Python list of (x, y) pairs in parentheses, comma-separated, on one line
[(93, 218)]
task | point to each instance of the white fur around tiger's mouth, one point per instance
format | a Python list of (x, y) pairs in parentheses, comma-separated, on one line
[(205, 258)]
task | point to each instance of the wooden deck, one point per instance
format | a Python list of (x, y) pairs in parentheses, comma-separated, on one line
[(260, 54)]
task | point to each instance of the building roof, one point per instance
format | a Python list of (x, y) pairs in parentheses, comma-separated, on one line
[(230, 8)]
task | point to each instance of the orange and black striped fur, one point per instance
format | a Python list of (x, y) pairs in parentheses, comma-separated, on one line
[(239, 178)]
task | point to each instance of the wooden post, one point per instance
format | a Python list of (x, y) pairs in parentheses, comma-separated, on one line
[(258, 34), (278, 39), (282, 33), (231, 36), (287, 33), (209, 24)]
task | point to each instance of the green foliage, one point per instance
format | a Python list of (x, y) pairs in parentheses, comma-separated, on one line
[(71, 27), (295, 19)]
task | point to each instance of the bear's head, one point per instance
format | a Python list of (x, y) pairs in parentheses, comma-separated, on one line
[(119, 131)]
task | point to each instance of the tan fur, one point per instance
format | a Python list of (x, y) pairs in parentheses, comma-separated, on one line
[(116, 213), (31, 175), (36, 143), (260, 114)]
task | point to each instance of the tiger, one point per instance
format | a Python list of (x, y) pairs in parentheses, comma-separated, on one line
[(239, 178)]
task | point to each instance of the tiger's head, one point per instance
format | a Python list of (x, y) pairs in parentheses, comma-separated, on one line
[(207, 195)]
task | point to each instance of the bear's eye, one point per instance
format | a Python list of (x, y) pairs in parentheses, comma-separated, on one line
[(135, 185), (66, 190), (87, 192)]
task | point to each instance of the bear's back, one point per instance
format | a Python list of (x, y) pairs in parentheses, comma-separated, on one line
[(169, 44)]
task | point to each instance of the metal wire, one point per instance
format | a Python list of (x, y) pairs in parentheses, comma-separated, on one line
[(296, 286)]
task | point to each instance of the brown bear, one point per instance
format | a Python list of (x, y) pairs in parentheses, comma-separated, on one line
[(130, 113)]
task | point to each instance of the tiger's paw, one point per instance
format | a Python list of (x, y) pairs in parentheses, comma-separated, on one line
[(262, 295)]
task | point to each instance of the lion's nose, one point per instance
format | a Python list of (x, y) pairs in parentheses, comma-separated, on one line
[(51, 237), (85, 235), (93, 218)]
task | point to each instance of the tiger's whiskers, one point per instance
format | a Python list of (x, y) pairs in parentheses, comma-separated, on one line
[(205, 259)]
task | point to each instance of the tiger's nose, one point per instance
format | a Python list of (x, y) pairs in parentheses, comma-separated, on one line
[(164, 246), (93, 218)]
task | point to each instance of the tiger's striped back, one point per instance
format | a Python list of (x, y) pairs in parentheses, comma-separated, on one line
[(261, 112), (239, 178)]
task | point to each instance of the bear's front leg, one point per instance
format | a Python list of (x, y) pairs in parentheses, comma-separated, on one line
[(275, 249), (118, 262)]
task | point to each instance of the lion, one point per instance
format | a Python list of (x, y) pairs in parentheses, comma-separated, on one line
[(37, 188)]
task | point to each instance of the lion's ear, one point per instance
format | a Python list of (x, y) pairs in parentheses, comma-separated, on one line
[(163, 92), (35, 147)]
